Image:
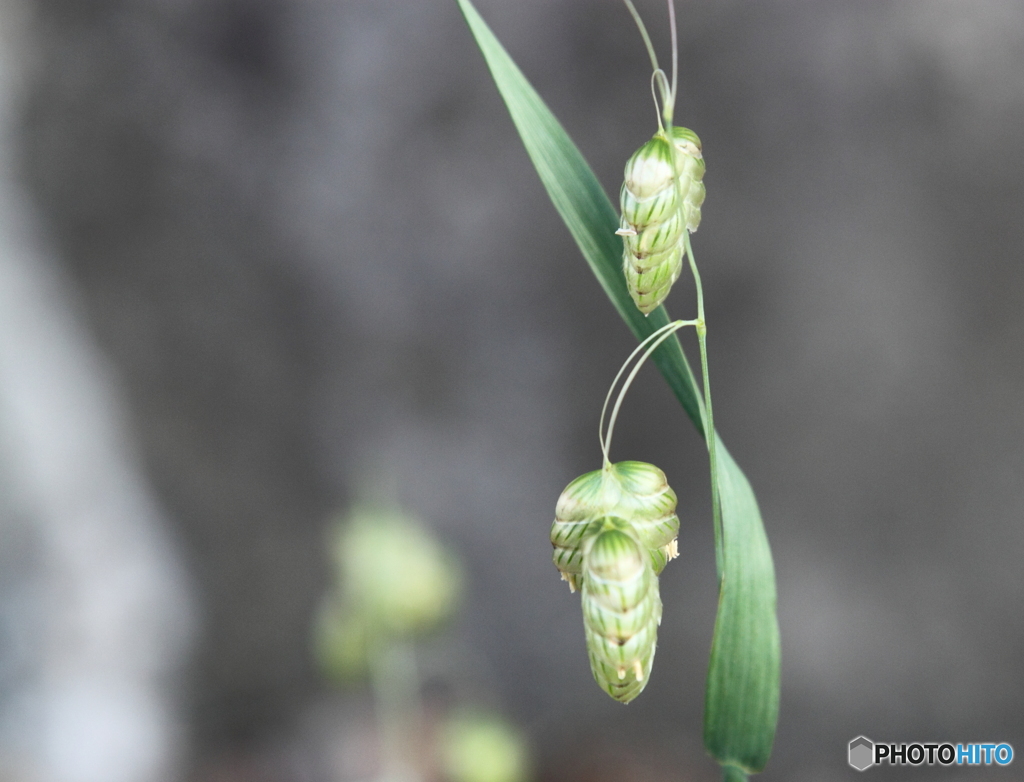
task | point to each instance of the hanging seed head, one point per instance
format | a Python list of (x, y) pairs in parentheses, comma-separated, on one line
[(614, 531), (635, 491), (621, 609), (661, 196)]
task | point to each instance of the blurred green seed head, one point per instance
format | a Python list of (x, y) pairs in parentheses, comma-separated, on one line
[(394, 572), (661, 196), (393, 580), (483, 748)]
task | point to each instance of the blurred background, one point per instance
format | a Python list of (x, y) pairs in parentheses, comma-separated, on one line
[(261, 259)]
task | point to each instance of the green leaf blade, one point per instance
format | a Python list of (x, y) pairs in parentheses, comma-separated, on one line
[(742, 698), (582, 204), (741, 703)]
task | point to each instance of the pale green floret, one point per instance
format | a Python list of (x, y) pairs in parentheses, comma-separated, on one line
[(619, 623), (637, 492), (660, 200), (628, 654), (578, 506), (625, 689), (649, 289), (654, 261), (657, 237), (649, 169), (639, 213), (649, 502), (614, 531)]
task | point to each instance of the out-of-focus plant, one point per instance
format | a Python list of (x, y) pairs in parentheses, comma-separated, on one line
[(483, 747), (395, 584), (613, 538)]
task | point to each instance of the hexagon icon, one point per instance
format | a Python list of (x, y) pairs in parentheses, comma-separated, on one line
[(862, 753)]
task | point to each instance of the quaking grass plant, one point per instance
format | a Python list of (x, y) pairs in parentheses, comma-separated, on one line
[(395, 585), (615, 528)]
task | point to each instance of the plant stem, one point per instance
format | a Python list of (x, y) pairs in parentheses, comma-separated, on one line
[(670, 108), (658, 78), (399, 712), (643, 31), (651, 344), (709, 418), (733, 774)]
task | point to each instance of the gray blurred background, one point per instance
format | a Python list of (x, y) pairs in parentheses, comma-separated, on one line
[(259, 258)]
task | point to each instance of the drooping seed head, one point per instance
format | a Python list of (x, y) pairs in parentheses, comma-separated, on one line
[(614, 531), (395, 572), (621, 609), (660, 199)]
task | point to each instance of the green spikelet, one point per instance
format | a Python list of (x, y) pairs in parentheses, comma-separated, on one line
[(646, 499), (660, 199), (614, 531), (577, 508), (635, 491), (621, 608)]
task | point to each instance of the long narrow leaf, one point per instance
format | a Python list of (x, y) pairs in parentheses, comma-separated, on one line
[(742, 694)]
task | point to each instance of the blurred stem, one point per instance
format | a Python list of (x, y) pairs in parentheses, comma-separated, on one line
[(396, 691), (733, 774)]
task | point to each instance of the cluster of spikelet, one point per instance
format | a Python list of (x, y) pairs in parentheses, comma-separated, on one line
[(614, 531), (616, 528), (661, 199)]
